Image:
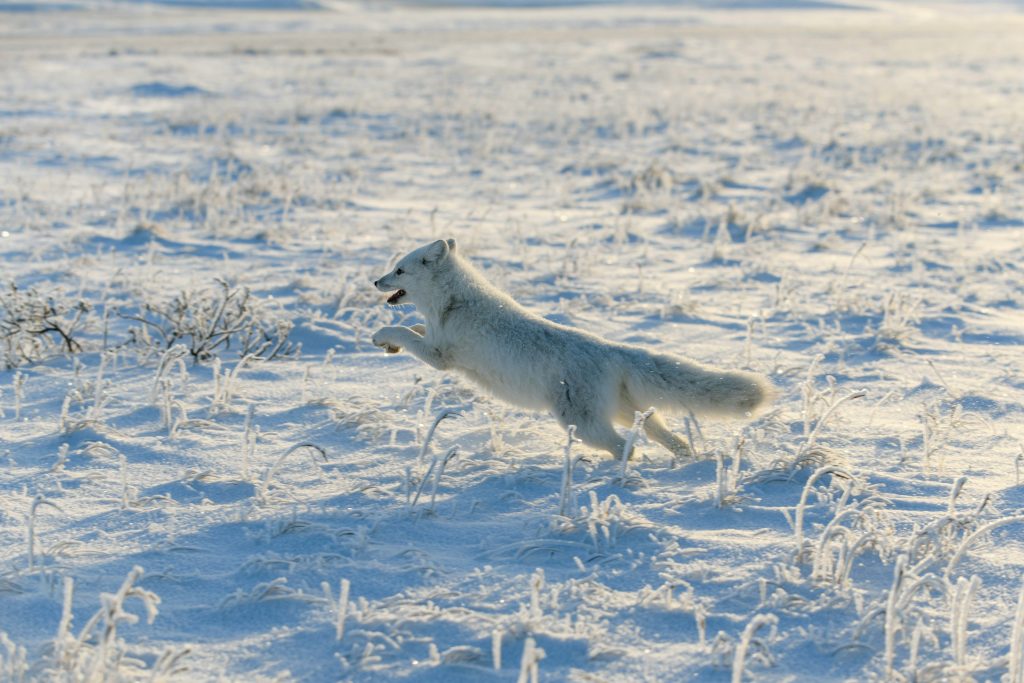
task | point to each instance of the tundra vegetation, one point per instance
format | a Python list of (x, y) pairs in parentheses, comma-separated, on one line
[(206, 469)]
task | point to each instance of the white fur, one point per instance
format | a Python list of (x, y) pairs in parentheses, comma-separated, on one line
[(581, 379)]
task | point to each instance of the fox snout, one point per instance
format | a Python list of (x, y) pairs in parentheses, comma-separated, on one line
[(383, 286)]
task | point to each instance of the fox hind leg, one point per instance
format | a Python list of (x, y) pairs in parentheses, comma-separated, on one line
[(600, 434), (656, 428), (593, 428)]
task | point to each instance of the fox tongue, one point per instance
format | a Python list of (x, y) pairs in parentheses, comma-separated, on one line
[(393, 299)]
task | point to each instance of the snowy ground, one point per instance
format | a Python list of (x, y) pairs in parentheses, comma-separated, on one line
[(835, 198)]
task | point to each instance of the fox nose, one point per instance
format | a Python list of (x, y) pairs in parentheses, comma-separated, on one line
[(375, 282)]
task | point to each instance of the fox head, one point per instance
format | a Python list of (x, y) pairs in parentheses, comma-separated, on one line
[(412, 276)]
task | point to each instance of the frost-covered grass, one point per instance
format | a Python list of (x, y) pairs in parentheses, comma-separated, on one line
[(206, 469)]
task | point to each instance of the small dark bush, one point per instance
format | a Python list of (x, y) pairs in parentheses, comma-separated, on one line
[(210, 320), (34, 327)]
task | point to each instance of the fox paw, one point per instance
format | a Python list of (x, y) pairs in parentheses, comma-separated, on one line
[(384, 339)]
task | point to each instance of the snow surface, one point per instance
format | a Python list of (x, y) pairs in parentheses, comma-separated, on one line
[(833, 198)]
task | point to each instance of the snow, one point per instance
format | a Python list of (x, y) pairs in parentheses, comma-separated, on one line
[(831, 197)]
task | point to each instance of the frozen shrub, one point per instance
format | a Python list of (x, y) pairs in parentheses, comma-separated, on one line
[(34, 327), (207, 321)]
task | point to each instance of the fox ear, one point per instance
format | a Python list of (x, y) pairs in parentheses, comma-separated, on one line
[(436, 252), (451, 243)]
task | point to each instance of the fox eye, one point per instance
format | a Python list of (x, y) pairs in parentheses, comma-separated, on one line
[(399, 271)]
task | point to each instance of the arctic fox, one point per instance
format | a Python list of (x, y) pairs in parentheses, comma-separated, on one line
[(581, 379)]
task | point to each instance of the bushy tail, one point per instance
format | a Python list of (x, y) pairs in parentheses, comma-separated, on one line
[(669, 382)]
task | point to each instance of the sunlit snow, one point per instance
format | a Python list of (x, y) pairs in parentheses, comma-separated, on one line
[(193, 206)]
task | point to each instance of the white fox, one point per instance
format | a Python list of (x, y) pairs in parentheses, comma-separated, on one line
[(581, 379)]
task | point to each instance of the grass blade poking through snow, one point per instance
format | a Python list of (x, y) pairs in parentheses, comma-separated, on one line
[(63, 642), (1017, 462), (19, 393), (172, 357), (31, 522), (832, 402), (693, 428), (639, 419), (339, 624), (979, 532), (443, 415), (496, 647), (16, 665), (224, 384), (261, 493), (1016, 664), (436, 471), (727, 478), (529, 665), (899, 573), (452, 452), (567, 497), (740, 658), (101, 663), (798, 520), (123, 462), (965, 590), (248, 442), (340, 607)]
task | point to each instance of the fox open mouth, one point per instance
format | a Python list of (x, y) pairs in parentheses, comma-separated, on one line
[(396, 297)]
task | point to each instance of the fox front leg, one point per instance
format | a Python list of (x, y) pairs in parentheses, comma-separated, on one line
[(394, 339), (386, 337), (389, 338)]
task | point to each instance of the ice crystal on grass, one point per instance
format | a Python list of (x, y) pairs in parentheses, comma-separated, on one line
[(97, 653)]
